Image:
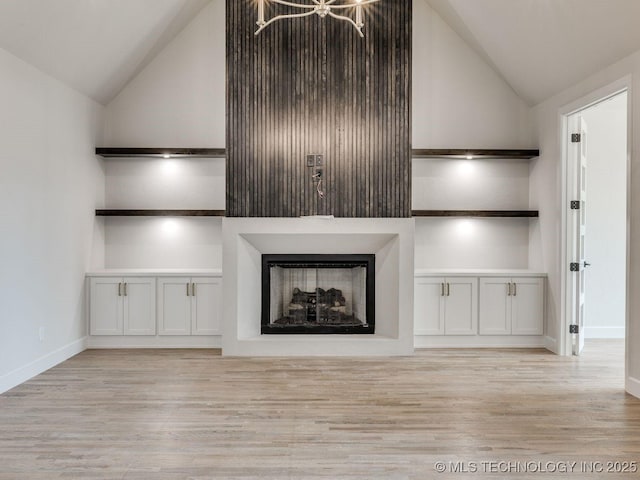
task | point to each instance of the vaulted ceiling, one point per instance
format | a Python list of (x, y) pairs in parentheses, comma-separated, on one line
[(539, 47), (94, 46)]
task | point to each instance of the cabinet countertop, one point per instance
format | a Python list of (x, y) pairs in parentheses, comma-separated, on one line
[(155, 272), (478, 272)]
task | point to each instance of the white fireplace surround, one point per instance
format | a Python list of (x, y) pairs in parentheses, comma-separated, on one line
[(246, 239)]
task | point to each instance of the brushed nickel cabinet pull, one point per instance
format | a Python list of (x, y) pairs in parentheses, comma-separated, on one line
[(515, 289), (119, 289), (125, 289), (509, 289), (448, 290), (442, 289), (188, 293), (193, 289)]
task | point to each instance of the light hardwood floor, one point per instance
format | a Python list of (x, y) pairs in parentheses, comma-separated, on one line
[(191, 414)]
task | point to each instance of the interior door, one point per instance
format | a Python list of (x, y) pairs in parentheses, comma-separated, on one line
[(581, 220)]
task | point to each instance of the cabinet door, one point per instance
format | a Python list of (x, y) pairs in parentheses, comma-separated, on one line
[(428, 314), (206, 305), (105, 315), (139, 306), (174, 306), (495, 306), (461, 306), (527, 311)]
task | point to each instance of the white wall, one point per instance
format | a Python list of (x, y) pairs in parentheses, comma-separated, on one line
[(178, 100), (458, 100), (546, 191), (163, 242), (50, 184), (472, 243), (175, 183), (479, 184), (606, 241)]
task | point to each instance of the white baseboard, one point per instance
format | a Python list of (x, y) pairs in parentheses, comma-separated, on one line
[(169, 341), (632, 386), (42, 364), (551, 344), (478, 341), (604, 332)]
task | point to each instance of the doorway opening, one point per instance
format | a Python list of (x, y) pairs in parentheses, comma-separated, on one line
[(596, 150)]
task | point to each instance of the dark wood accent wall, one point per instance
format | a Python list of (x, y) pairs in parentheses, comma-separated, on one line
[(314, 86)]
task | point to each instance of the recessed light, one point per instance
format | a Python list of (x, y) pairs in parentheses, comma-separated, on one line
[(166, 155), (469, 157)]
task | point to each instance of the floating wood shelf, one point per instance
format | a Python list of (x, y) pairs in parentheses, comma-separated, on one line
[(161, 152), (477, 213), (160, 213), (475, 153)]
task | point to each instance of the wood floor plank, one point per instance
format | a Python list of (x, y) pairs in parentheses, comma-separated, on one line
[(192, 414)]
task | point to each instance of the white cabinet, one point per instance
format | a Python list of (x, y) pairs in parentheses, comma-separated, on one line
[(428, 314), (189, 306), (446, 306), (122, 306), (511, 306)]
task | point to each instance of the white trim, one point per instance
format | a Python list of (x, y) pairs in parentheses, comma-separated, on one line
[(143, 272), (632, 386), (42, 364), (597, 96), (181, 341), (551, 344), (422, 273), (604, 332), (477, 341)]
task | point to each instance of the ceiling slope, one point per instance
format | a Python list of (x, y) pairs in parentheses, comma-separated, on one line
[(542, 47), (94, 46)]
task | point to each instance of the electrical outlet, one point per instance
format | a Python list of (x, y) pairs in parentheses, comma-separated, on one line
[(311, 160), (41, 334)]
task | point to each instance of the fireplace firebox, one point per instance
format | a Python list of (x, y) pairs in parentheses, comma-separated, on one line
[(318, 294)]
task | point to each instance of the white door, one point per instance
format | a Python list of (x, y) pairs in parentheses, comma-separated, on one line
[(580, 232), (527, 306), (495, 306), (105, 315), (428, 314), (461, 306), (206, 303), (174, 306), (139, 306)]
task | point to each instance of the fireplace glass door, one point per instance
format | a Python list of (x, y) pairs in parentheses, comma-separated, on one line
[(323, 294)]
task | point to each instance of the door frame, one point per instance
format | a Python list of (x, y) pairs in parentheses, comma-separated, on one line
[(567, 305)]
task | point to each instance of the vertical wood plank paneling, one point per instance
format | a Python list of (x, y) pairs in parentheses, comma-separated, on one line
[(313, 86)]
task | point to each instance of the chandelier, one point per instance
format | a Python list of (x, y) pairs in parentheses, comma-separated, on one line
[(322, 8)]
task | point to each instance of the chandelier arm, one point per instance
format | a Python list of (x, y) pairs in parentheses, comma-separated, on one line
[(352, 5), (295, 5), (282, 17), (347, 19)]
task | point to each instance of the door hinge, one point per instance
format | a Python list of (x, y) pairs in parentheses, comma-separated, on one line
[(574, 267), (576, 138), (575, 204), (574, 329)]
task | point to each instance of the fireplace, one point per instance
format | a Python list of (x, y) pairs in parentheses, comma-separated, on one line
[(318, 294)]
